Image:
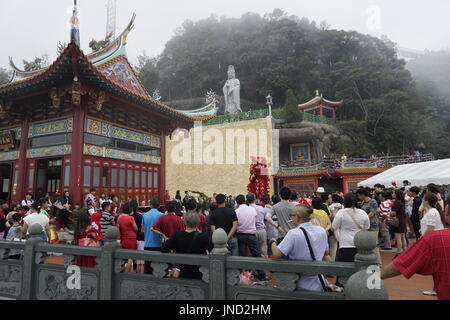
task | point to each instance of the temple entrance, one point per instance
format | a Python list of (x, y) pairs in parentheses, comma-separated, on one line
[(5, 181), (49, 175), (331, 184)]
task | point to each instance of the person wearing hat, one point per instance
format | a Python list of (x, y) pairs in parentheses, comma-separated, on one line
[(319, 191)]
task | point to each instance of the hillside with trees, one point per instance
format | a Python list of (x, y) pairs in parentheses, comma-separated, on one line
[(284, 55)]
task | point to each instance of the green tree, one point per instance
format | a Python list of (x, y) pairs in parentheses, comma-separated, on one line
[(290, 110), (148, 72), (277, 52)]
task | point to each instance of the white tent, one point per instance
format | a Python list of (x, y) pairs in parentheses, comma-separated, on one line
[(418, 174)]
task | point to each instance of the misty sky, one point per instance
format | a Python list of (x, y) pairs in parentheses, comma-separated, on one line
[(34, 27)]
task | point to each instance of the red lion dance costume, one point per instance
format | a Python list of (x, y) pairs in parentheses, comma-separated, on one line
[(259, 177)]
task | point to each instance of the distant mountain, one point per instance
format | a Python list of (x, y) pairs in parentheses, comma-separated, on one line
[(278, 52)]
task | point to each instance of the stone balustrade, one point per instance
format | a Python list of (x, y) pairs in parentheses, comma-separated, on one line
[(31, 278)]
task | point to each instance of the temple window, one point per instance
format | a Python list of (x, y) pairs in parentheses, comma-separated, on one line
[(30, 178), (105, 174), (113, 177), (150, 180), (52, 140), (87, 176), (129, 178), (155, 180), (144, 179), (66, 176), (136, 179), (96, 181), (122, 178)]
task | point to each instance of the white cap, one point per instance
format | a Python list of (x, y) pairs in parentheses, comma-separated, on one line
[(320, 190)]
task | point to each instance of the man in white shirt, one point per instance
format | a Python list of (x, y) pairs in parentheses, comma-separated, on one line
[(246, 232), (295, 246), (36, 218), (261, 233)]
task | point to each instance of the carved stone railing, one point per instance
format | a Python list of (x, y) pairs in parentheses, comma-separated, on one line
[(34, 277)]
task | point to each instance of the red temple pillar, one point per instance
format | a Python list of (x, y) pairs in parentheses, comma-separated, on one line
[(321, 112), (76, 156), (162, 171), (334, 114), (344, 185), (22, 171)]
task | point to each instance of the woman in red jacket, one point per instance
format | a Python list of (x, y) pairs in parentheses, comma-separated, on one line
[(128, 233)]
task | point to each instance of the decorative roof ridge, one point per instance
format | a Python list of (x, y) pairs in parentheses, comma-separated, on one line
[(73, 47), (144, 97), (25, 73), (117, 59), (318, 99), (42, 71), (118, 42)]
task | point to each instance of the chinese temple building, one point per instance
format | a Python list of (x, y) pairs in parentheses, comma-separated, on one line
[(332, 177), (84, 122), (319, 105)]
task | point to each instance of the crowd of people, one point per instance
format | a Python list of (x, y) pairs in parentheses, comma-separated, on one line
[(283, 226)]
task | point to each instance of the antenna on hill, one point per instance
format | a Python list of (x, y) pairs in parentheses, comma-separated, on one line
[(111, 19)]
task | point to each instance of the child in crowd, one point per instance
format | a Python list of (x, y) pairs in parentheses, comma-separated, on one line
[(95, 221), (86, 234), (15, 234)]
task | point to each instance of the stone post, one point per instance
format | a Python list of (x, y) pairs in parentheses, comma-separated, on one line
[(29, 278), (366, 283), (217, 268), (107, 264), (220, 239)]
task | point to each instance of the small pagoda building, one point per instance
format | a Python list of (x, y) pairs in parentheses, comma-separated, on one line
[(321, 106), (84, 122)]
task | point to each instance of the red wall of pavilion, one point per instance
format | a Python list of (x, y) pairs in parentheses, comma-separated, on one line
[(128, 180)]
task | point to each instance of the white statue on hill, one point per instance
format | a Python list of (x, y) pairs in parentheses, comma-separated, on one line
[(232, 93)]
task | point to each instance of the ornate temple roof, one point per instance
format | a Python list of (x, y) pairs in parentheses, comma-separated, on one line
[(205, 113), (107, 68), (320, 100)]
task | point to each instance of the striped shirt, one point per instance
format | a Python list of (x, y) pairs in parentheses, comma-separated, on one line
[(385, 209), (106, 221), (91, 201)]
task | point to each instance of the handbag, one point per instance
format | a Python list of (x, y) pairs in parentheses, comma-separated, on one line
[(393, 221), (58, 205), (88, 242), (323, 281)]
